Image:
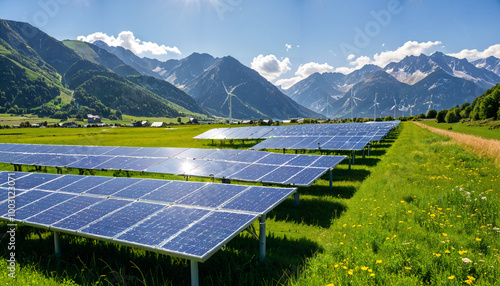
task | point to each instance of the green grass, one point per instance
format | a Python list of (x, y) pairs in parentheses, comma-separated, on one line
[(393, 207), (484, 130)]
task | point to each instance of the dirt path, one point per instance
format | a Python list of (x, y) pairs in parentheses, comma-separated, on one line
[(477, 145)]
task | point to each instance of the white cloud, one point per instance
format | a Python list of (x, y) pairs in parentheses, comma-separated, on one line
[(127, 40), (475, 54), (288, 47), (270, 67), (351, 56), (303, 72)]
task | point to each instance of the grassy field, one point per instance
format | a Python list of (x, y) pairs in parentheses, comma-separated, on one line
[(415, 212), (14, 119), (482, 131)]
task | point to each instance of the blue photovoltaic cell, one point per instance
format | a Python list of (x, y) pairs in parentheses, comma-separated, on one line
[(91, 214), (122, 219), (213, 168), (33, 159), (22, 200), (213, 195), (140, 189), (268, 143), (204, 236), (89, 150), (315, 145), (85, 184), (112, 186), (61, 160), (40, 148), (60, 182), (259, 199), (122, 151), (116, 163), (304, 143), (176, 166), (6, 176), (248, 156), (328, 161), (348, 146), (90, 162), (306, 177), (173, 191), (231, 170), (332, 145), (223, 154), (63, 210), (11, 157), (142, 164), (359, 146), (33, 180), (168, 152), (41, 205), (61, 149), (162, 225), (276, 159), (145, 152), (253, 172), (302, 161), (196, 153), (281, 175)]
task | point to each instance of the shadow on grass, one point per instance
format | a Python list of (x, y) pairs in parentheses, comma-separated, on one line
[(342, 192), (311, 211), (353, 175), (93, 262)]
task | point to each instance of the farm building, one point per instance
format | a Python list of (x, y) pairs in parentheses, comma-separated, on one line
[(93, 118), (158, 124)]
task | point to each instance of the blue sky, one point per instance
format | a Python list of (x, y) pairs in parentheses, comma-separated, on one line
[(285, 40)]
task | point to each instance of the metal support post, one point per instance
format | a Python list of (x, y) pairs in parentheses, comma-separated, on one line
[(353, 156), (57, 246), (363, 153), (369, 145), (297, 198), (262, 238), (349, 158), (194, 273), (331, 179)]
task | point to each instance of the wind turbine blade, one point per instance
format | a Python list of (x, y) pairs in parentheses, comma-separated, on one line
[(225, 101), (225, 88), (236, 87)]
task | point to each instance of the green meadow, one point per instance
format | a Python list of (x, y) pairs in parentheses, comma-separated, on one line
[(487, 128), (419, 210)]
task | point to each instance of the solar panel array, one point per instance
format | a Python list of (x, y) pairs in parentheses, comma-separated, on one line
[(341, 136), (243, 165), (184, 219)]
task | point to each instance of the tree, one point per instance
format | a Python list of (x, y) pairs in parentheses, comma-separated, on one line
[(440, 117), (466, 111), (452, 116), (179, 120), (432, 113)]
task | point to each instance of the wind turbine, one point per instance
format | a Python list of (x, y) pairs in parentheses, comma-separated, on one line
[(375, 104), (351, 99), (410, 107), (327, 104), (394, 106), (403, 108), (430, 103), (230, 94)]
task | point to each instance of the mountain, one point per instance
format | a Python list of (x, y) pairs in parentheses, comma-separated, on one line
[(180, 72), (381, 83), (100, 56), (168, 91), (35, 70), (412, 69), (256, 98), (491, 63), (129, 58), (395, 97), (319, 92)]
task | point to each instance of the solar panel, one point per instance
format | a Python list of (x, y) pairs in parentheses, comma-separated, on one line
[(205, 236), (122, 151), (185, 219), (306, 176), (223, 163), (212, 195), (281, 174)]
